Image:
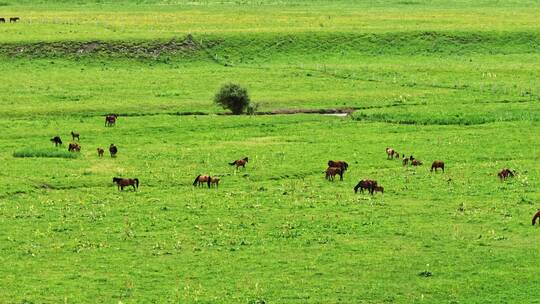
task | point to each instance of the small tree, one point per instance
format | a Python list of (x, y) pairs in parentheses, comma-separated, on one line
[(233, 97)]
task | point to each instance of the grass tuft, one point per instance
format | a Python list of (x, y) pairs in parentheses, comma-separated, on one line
[(44, 152)]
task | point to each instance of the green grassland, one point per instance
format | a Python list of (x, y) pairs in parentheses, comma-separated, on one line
[(449, 80)]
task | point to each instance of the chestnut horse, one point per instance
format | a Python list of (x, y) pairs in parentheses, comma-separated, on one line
[(536, 216), (57, 141), (505, 173), (366, 184), (331, 172), (110, 120), (214, 181), (124, 182), (240, 163), (416, 162), (73, 147), (338, 164), (200, 179), (390, 153), (437, 164)]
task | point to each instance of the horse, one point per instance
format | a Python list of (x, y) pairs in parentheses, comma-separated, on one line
[(366, 184), (113, 150), (124, 182), (390, 153), (405, 161), (396, 155), (437, 164), (73, 147), (2, 20), (75, 135), (200, 179), (338, 164), (331, 172), (505, 173), (416, 162), (411, 158), (100, 152), (57, 141), (110, 120), (14, 19), (240, 163), (378, 189), (537, 215), (214, 181)]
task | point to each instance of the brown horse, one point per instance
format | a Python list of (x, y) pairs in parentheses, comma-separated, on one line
[(57, 141), (2, 20), (75, 135), (113, 150), (73, 147), (366, 184), (416, 162), (124, 182), (437, 164), (240, 163), (390, 153), (100, 152), (201, 179), (338, 164), (331, 172), (405, 161), (536, 216), (214, 181), (378, 189), (110, 120), (505, 173), (14, 19), (396, 155)]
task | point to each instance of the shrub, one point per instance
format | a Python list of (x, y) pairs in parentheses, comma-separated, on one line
[(233, 97)]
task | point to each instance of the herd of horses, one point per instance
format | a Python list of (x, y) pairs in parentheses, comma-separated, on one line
[(335, 167), (11, 19)]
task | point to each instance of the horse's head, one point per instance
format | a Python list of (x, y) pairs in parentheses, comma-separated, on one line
[(116, 179), (246, 159)]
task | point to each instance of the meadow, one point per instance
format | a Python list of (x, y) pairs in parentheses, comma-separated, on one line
[(449, 80)]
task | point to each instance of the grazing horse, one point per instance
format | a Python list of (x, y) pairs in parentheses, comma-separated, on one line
[(113, 150), (57, 141), (411, 158), (2, 20), (214, 181), (240, 163), (201, 179), (505, 173), (73, 147), (110, 120), (536, 216), (366, 184), (396, 155), (75, 135), (378, 189), (124, 182), (338, 164), (405, 161), (100, 152), (390, 153), (437, 164), (331, 172), (416, 162), (14, 19)]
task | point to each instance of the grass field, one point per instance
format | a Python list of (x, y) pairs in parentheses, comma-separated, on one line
[(449, 80)]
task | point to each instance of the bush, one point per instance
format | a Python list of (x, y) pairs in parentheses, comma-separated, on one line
[(233, 97)]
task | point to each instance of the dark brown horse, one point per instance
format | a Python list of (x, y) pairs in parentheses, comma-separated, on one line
[(338, 164), (366, 184), (110, 120), (14, 19), (57, 141), (240, 163), (405, 161), (113, 150), (436, 165), (2, 20), (536, 216), (100, 152), (73, 147), (125, 182), (75, 135), (201, 179), (331, 173), (505, 173), (390, 153), (378, 189), (416, 162)]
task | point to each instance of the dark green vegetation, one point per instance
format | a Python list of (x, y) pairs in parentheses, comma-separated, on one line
[(455, 81)]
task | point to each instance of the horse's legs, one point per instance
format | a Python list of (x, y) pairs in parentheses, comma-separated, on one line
[(134, 189)]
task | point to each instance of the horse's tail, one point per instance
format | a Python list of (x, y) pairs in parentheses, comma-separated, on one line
[(233, 163), (136, 182), (209, 181), (356, 188), (537, 215), (196, 180)]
